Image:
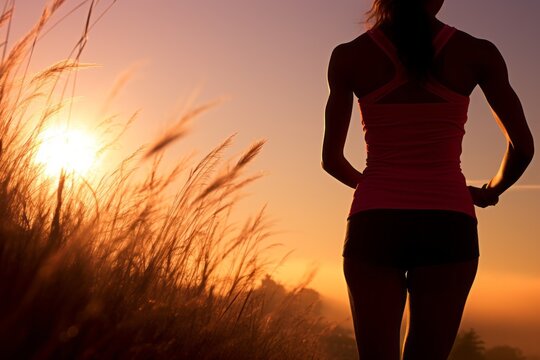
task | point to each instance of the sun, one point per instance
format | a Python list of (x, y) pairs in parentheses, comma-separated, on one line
[(70, 150)]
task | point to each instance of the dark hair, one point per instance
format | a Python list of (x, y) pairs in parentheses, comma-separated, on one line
[(409, 25)]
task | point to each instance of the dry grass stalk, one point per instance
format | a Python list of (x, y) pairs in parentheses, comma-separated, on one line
[(130, 274)]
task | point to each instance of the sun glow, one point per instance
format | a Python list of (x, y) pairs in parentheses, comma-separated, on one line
[(70, 150)]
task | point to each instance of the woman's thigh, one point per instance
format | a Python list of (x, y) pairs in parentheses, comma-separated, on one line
[(437, 296), (377, 295)]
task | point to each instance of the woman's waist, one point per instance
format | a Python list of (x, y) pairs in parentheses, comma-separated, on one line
[(434, 157), (441, 172), (450, 195), (411, 188)]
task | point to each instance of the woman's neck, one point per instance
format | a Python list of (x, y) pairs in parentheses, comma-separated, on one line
[(435, 25)]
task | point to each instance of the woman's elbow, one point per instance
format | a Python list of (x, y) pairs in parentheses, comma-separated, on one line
[(329, 163), (528, 150), (525, 151), (326, 165), (529, 155)]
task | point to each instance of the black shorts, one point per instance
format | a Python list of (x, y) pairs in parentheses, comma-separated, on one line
[(407, 238)]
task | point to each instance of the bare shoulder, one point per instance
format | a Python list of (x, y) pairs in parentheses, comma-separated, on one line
[(349, 50), (359, 53), (475, 46), (346, 58), (483, 54)]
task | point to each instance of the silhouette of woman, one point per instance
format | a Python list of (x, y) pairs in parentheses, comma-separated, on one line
[(412, 227)]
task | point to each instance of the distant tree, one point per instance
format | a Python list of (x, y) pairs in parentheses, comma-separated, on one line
[(339, 344), (468, 346), (272, 292), (300, 301), (504, 353)]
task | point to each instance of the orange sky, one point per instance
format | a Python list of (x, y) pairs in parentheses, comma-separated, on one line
[(269, 59)]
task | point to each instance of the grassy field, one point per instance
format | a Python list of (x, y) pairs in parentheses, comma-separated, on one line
[(144, 261), (114, 267)]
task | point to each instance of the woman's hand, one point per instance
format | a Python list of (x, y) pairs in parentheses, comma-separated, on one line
[(483, 197)]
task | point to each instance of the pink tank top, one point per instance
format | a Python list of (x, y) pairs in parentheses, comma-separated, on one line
[(413, 149)]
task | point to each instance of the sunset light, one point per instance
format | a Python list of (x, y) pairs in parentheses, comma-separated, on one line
[(263, 179), (71, 150)]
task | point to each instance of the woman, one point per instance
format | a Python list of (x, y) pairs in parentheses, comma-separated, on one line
[(412, 226)]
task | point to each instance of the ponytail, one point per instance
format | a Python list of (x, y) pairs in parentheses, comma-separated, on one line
[(409, 25)]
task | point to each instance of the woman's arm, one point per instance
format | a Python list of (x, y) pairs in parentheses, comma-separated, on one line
[(508, 112), (337, 118)]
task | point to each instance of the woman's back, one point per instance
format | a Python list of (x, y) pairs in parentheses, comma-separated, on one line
[(413, 129), (368, 67)]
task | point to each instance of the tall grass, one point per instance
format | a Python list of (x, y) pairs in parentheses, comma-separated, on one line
[(114, 268)]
